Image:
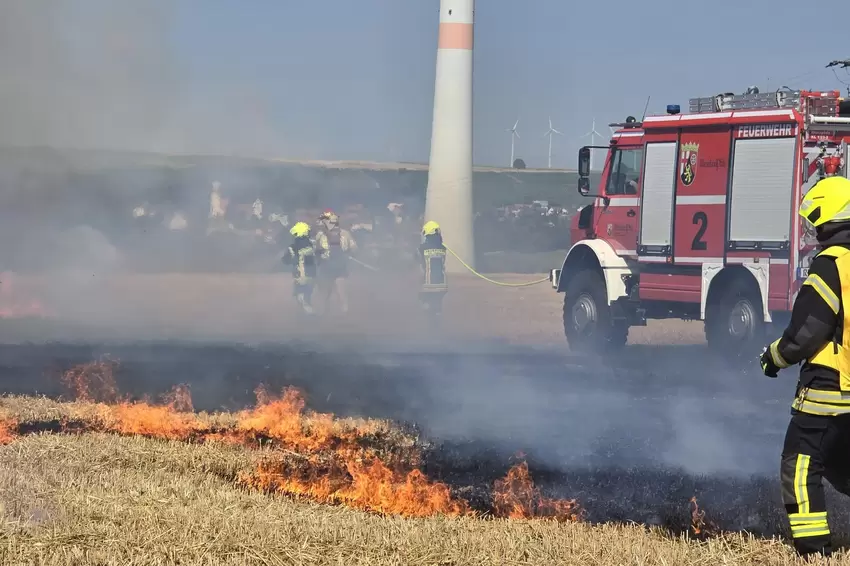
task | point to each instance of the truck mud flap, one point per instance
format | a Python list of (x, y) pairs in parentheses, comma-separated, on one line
[(628, 311)]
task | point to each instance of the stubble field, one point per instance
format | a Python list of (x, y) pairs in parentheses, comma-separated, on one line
[(129, 485), (105, 479)]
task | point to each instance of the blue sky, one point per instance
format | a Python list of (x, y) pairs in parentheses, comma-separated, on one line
[(346, 79)]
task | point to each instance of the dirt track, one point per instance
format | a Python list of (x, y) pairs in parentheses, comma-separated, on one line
[(260, 307)]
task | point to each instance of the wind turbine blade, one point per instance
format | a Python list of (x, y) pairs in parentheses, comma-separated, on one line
[(516, 123), (557, 132), (517, 135), (550, 122)]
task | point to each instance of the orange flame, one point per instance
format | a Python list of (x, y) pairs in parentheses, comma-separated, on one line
[(332, 466), (698, 523), (516, 497), (179, 399), (174, 420), (7, 431), (154, 421), (283, 420), (93, 381), (370, 486), (411, 494), (315, 456)]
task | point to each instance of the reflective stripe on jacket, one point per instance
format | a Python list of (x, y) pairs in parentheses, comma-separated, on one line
[(819, 336)]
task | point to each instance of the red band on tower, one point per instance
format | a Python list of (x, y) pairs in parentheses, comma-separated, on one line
[(455, 36)]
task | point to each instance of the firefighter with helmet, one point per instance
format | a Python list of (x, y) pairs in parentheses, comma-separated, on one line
[(334, 244), (432, 255), (817, 442), (301, 255)]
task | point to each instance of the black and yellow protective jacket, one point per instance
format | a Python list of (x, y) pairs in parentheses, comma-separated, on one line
[(433, 256), (302, 256), (819, 332)]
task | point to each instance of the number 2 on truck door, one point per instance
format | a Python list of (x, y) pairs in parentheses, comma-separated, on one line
[(702, 174)]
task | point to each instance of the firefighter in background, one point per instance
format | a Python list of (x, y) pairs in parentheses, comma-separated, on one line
[(334, 244), (817, 442), (301, 255), (432, 254)]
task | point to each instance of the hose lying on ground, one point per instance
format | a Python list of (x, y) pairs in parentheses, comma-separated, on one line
[(466, 265), (500, 283)]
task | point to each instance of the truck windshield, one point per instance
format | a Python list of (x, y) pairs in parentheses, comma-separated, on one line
[(624, 173)]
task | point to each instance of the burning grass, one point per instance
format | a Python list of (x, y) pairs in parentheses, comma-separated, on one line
[(154, 482), (100, 498), (310, 454)]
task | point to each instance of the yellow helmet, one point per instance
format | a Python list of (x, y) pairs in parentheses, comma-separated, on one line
[(300, 229), (430, 228), (827, 201)]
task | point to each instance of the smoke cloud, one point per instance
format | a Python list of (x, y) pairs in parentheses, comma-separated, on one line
[(103, 75), (87, 75)]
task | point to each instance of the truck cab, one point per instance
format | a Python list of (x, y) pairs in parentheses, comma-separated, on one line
[(695, 217)]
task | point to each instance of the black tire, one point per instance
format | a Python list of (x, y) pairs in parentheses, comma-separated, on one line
[(734, 324), (587, 316)]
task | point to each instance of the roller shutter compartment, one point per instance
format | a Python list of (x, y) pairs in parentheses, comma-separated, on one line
[(762, 191), (659, 178)]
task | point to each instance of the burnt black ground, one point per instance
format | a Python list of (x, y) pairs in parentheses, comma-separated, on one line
[(632, 438)]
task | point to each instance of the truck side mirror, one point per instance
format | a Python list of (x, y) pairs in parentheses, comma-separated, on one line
[(584, 162), (584, 186)]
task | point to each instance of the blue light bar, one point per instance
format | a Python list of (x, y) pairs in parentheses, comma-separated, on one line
[(673, 109)]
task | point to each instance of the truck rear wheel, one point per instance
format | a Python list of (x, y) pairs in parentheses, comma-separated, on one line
[(734, 325), (587, 317)]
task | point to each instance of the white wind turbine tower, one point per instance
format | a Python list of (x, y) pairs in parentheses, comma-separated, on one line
[(549, 133), (514, 136), (592, 133)]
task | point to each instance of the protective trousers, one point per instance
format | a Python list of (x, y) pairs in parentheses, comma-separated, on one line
[(816, 447), (432, 301), (303, 294)]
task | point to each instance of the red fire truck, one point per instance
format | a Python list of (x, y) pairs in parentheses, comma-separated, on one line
[(696, 218)]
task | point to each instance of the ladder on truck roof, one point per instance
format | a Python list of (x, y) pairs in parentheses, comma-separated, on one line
[(822, 109), (806, 102)]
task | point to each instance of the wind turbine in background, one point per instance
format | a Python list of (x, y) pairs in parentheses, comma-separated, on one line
[(592, 133), (514, 136), (549, 133)]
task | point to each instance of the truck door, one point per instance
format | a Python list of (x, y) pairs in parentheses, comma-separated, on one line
[(659, 179), (762, 205), (618, 222), (761, 195), (700, 205)]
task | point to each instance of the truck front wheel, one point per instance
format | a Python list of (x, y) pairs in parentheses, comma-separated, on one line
[(587, 317), (734, 326)]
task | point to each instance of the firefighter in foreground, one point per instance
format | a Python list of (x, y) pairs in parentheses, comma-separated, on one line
[(301, 255), (817, 442), (334, 244), (432, 254)]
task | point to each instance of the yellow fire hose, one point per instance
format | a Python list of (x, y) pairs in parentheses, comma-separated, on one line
[(494, 282), (466, 265)]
